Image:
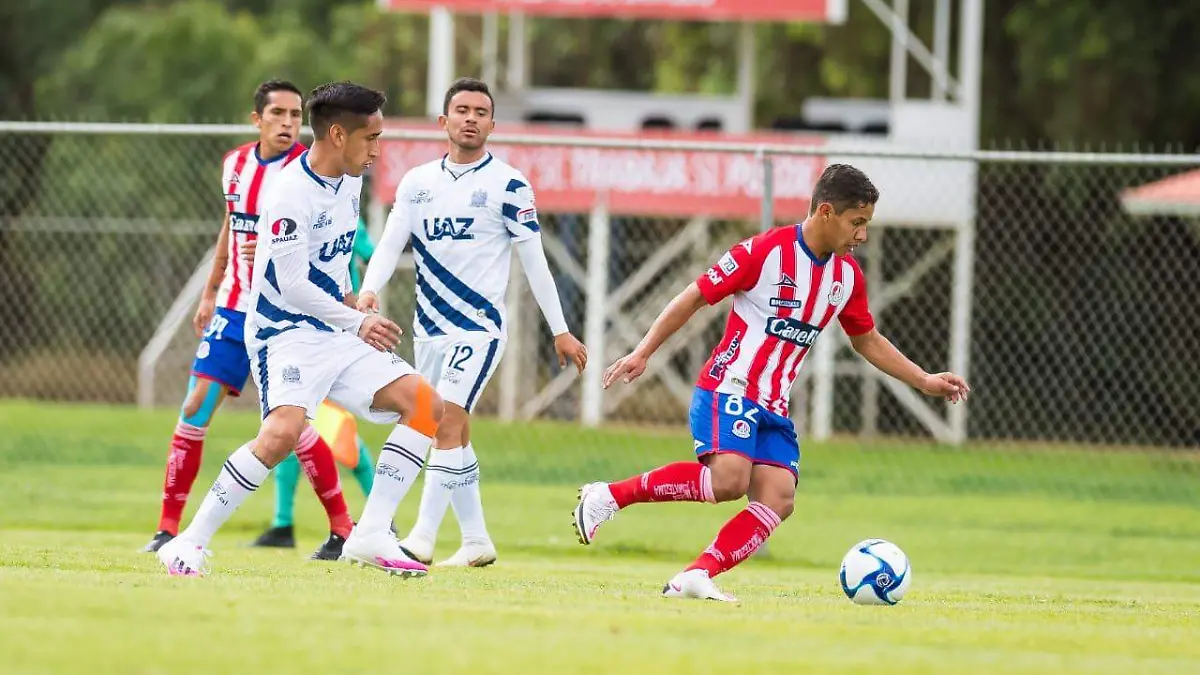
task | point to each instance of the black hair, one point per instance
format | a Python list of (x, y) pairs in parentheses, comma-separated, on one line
[(262, 95), (467, 84), (343, 103), (845, 187)]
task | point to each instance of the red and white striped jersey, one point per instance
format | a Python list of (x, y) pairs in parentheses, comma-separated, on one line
[(783, 297), (244, 176)]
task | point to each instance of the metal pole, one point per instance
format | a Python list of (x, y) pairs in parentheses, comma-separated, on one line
[(898, 81), (491, 48), (745, 75), (441, 59), (510, 367), (767, 212), (517, 77), (597, 313), (941, 44)]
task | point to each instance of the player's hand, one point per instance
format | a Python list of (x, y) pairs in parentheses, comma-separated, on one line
[(946, 385), (246, 251), (627, 369), (204, 314), (379, 332), (570, 349), (368, 302)]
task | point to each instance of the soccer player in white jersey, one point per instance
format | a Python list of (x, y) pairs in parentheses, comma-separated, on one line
[(221, 365), (788, 285), (307, 342), (464, 213)]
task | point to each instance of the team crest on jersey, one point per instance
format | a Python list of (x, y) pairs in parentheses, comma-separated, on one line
[(479, 199), (741, 429), (323, 220), (354, 205), (837, 293), (291, 374)]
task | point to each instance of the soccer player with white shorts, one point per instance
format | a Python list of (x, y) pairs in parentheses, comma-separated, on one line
[(788, 285), (464, 213), (307, 343)]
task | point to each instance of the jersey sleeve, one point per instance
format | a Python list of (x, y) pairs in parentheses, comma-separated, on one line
[(855, 317), (736, 270), (518, 210), (227, 163)]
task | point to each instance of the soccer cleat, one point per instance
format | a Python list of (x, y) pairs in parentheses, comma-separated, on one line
[(472, 554), (417, 548), (156, 542), (283, 536), (381, 551), (695, 584), (331, 549), (596, 506), (182, 558)]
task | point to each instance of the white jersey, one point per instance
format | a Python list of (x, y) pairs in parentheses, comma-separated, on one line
[(463, 225), (244, 177), (302, 258)]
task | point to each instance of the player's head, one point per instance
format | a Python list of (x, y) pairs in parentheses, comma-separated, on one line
[(843, 203), (278, 114), (467, 113), (347, 118)]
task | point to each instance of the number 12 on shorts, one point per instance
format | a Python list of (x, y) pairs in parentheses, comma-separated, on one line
[(460, 356)]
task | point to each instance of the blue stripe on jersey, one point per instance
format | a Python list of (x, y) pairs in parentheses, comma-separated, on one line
[(514, 185), (510, 211), (269, 275), (487, 366), (455, 285), (431, 328), (262, 381), (270, 332), (439, 305), (275, 314), (324, 282)]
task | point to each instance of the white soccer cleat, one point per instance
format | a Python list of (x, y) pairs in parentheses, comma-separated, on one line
[(471, 554), (381, 551), (183, 558), (418, 548), (695, 585), (596, 506)]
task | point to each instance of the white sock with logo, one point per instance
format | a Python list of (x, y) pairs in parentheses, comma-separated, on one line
[(400, 460), (440, 479), (466, 499)]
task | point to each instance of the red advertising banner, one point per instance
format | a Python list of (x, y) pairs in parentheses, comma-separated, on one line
[(701, 10), (634, 181)]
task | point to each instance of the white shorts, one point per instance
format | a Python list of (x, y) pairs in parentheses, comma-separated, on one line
[(303, 368), (459, 366)]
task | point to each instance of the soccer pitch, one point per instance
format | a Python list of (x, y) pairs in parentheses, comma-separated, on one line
[(1057, 561)]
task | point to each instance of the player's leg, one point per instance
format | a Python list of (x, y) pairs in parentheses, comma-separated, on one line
[(445, 457), (477, 549), (317, 462), (772, 492), (364, 470), (721, 432), (383, 388), (220, 369), (282, 533), (293, 376)]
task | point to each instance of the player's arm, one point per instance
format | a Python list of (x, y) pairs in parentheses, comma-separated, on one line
[(208, 296), (879, 351), (545, 292), (735, 271), (386, 255)]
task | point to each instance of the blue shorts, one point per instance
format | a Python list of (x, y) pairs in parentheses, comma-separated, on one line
[(732, 423), (221, 356)]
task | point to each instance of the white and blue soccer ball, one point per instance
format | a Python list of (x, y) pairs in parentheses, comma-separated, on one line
[(875, 572)]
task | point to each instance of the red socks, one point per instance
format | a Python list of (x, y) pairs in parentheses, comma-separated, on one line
[(183, 463), (678, 482), (317, 460), (738, 539)]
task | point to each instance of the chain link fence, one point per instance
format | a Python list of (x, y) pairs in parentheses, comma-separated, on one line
[(1083, 322)]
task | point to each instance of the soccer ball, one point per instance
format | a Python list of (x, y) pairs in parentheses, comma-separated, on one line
[(875, 572)]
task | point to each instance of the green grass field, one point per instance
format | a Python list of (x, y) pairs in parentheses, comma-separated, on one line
[(1032, 560)]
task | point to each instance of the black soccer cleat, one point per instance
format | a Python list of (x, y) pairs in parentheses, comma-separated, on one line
[(161, 537), (331, 549), (283, 536)]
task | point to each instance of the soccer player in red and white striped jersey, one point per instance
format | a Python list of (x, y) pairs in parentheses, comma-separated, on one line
[(222, 366), (788, 285)]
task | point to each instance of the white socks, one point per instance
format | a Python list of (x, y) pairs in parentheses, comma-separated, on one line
[(452, 477), (468, 504), (440, 478), (400, 460), (241, 475)]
